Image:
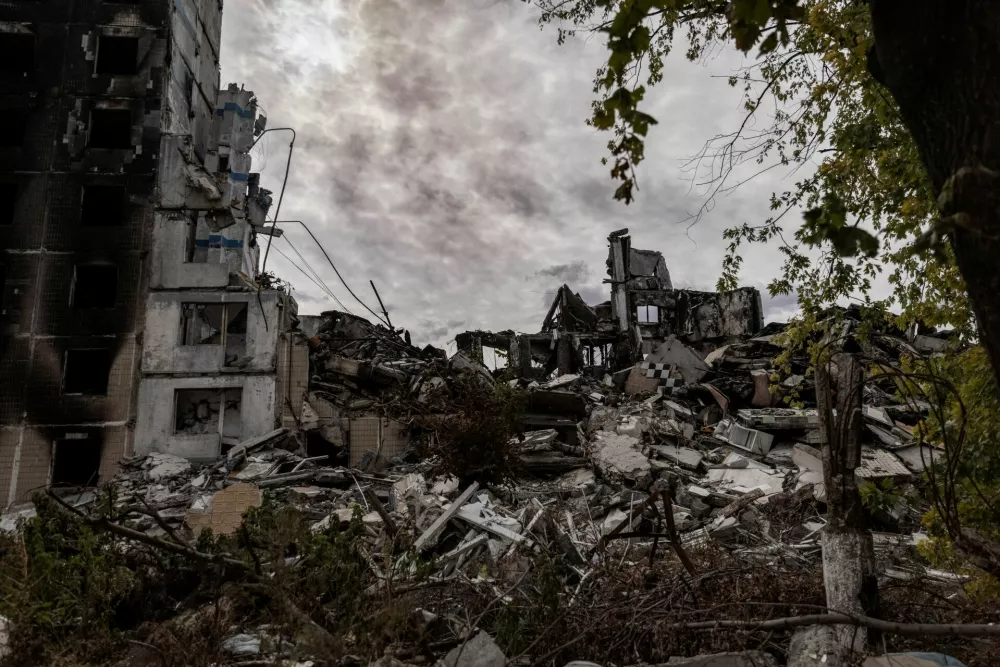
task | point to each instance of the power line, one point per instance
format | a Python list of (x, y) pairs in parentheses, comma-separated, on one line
[(322, 288), (316, 274), (334, 266)]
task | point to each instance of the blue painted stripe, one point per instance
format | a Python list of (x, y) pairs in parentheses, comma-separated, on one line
[(233, 106), (218, 241), (237, 176)]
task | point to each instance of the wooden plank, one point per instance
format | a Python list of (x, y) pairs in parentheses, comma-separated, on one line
[(430, 536), (489, 527)]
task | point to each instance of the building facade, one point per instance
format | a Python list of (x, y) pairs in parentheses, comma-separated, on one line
[(127, 242)]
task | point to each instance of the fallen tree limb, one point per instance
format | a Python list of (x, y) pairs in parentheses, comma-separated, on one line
[(906, 629)]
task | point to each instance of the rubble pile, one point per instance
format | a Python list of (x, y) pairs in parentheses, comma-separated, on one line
[(682, 468)]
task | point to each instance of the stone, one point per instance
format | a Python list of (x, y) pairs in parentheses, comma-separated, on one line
[(480, 651), (242, 644), (618, 457), (741, 659), (161, 467), (685, 457)]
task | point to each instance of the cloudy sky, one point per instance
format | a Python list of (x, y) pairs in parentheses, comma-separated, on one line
[(442, 153)]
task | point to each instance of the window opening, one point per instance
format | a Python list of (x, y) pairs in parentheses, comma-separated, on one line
[(648, 314), (103, 206), (86, 372), (216, 324), (117, 55), (17, 55), (208, 411), (95, 286), (8, 202), (77, 462), (15, 126), (111, 128)]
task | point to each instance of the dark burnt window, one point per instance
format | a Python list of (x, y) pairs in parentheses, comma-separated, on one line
[(17, 56), (86, 372), (8, 202), (77, 462), (117, 56), (103, 206), (15, 126), (95, 286), (111, 128)]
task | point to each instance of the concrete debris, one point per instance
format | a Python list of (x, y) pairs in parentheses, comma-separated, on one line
[(603, 430), (480, 651), (619, 457), (160, 467)]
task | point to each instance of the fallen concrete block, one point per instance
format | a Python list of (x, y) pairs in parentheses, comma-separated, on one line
[(618, 457), (685, 457), (773, 419), (741, 659), (480, 651)]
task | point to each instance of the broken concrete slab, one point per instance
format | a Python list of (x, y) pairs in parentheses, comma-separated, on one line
[(165, 466), (685, 457), (673, 352), (918, 458), (562, 381), (618, 457), (772, 419), (879, 464), (480, 651), (741, 659), (746, 479)]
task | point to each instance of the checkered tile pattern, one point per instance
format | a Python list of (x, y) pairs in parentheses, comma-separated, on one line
[(665, 373)]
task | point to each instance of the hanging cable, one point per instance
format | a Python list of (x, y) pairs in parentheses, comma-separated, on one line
[(334, 267), (281, 195), (322, 288), (318, 279)]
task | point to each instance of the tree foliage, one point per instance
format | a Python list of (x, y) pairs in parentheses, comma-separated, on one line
[(869, 205)]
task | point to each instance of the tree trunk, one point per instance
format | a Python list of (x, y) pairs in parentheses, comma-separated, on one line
[(941, 62), (848, 553)]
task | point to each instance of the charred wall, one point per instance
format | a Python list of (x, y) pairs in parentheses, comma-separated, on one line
[(82, 86)]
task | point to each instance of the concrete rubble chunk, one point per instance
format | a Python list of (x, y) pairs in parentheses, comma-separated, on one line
[(683, 456), (165, 466), (480, 651), (773, 419), (741, 659), (619, 457)]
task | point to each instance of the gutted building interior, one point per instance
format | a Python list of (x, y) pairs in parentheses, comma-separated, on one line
[(82, 90), (125, 169), (643, 314)]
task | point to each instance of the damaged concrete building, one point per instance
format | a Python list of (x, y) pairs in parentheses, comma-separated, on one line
[(644, 312), (128, 217)]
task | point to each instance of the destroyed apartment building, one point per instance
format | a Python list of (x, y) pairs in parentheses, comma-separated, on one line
[(696, 425), (644, 312), (131, 319)]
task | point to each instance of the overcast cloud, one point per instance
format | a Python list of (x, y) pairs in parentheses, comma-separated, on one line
[(442, 153)]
